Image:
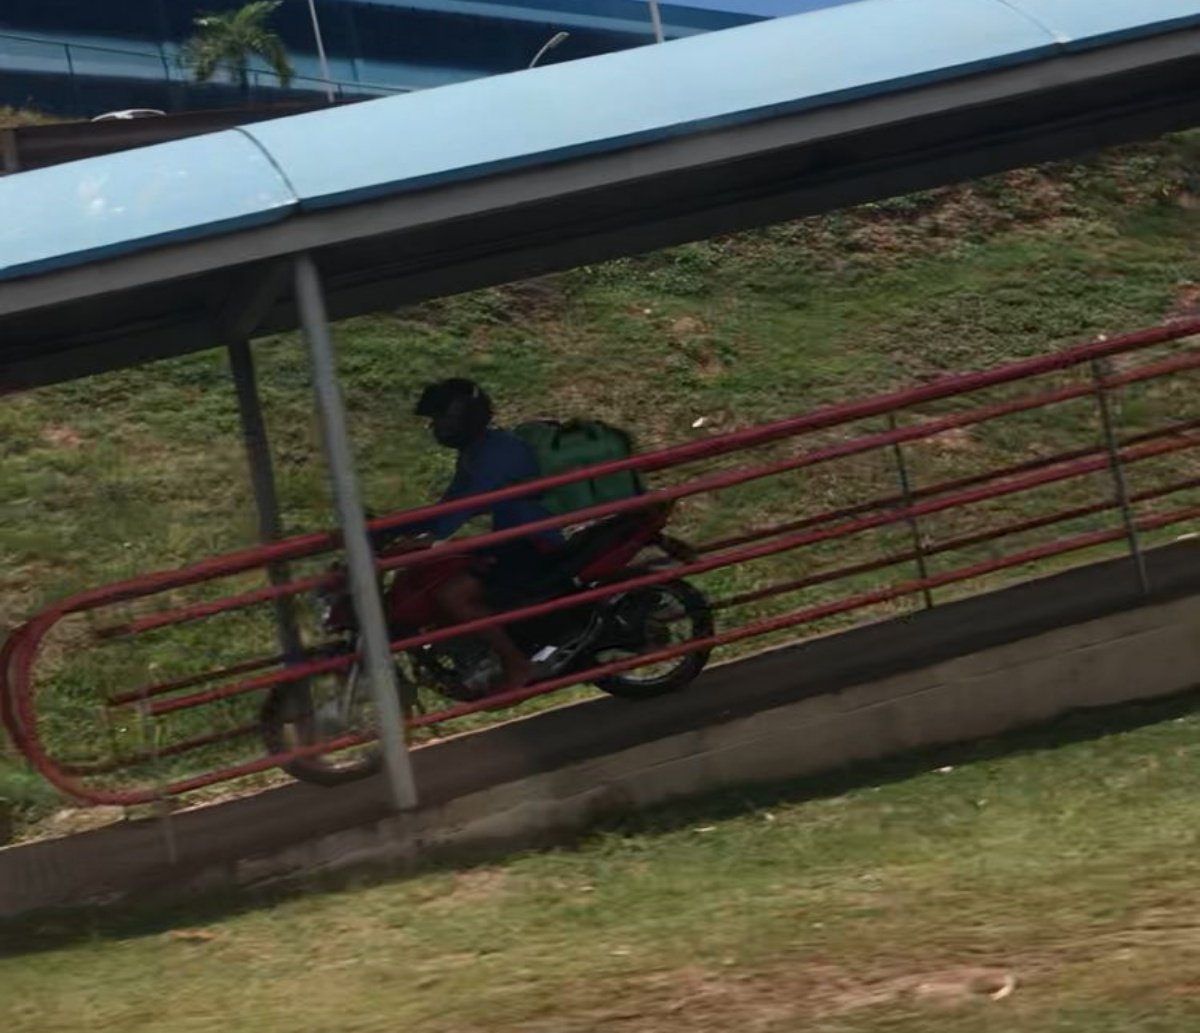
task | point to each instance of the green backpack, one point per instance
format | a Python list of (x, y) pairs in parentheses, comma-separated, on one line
[(560, 447)]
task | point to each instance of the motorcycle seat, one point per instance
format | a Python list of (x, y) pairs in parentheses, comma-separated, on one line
[(581, 549)]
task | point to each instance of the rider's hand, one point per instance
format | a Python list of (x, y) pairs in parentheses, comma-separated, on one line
[(406, 543)]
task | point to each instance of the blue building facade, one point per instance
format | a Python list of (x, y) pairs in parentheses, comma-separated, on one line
[(82, 57)]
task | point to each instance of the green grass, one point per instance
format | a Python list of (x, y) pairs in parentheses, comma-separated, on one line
[(879, 899), (138, 470), (14, 118)]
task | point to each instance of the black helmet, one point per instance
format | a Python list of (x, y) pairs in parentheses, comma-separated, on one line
[(459, 408)]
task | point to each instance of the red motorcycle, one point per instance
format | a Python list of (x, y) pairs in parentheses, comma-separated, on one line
[(465, 668)]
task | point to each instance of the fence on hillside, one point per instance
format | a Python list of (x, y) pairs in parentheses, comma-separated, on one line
[(950, 487)]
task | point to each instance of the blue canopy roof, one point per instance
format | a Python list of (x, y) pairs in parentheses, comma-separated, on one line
[(205, 186)]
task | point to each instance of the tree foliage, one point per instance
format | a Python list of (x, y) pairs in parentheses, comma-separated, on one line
[(229, 41)]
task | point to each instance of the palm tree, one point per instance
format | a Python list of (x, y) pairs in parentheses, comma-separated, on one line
[(229, 40)]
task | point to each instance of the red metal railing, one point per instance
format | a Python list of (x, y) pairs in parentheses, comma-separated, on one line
[(1107, 455)]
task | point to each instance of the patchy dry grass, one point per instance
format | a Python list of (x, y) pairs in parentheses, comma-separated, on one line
[(1039, 882)]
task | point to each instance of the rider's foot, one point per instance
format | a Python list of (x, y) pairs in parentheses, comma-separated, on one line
[(517, 674)]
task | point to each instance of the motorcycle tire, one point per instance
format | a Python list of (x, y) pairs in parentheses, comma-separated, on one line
[(287, 721), (696, 611)]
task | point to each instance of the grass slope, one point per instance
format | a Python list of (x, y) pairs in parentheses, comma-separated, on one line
[(141, 469)]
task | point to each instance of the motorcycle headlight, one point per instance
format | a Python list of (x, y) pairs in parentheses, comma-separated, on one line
[(322, 604)]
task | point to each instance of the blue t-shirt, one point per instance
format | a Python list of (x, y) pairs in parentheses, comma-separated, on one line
[(497, 460)]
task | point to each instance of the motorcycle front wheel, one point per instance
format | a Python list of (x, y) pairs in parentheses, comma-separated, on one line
[(649, 620), (325, 708)]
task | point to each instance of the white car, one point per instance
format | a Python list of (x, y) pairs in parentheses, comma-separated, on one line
[(128, 113)]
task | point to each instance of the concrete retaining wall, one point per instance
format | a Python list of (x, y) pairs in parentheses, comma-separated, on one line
[(1146, 653), (959, 672)]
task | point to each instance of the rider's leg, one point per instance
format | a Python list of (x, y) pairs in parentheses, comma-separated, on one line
[(461, 598)]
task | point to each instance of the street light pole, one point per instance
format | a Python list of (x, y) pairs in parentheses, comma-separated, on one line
[(656, 21), (312, 10), (549, 45)]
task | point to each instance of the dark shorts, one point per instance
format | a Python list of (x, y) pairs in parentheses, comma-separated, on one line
[(511, 570)]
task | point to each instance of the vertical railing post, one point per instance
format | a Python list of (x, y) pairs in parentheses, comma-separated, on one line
[(162, 802), (169, 92), (1117, 469), (913, 527), (378, 663), (71, 79), (10, 159)]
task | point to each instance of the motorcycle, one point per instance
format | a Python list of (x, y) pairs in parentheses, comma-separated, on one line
[(564, 641)]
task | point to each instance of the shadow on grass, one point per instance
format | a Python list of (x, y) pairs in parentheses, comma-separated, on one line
[(1076, 727), (56, 929)]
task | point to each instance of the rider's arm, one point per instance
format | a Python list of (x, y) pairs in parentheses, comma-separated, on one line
[(381, 539), (474, 479)]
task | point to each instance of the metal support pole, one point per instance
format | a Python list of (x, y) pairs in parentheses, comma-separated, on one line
[(913, 526), (262, 478), (656, 21), (378, 663), (1117, 469)]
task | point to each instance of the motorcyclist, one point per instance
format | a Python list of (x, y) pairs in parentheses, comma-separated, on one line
[(460, 417)]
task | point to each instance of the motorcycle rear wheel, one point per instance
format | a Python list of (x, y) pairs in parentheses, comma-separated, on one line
[(670, 614)]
